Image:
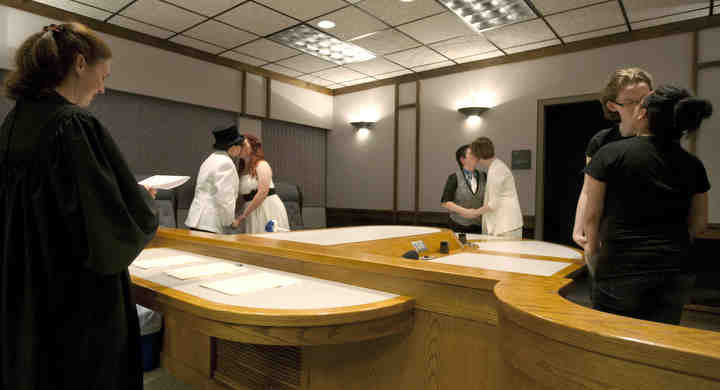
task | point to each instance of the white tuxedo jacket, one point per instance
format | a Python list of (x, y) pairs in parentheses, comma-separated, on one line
[(502, 198), (216, 191)]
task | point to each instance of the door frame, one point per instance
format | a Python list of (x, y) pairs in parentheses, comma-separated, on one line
[(540, 155)]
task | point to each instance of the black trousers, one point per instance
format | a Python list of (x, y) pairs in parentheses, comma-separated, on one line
[(658, 297), (457, 228)]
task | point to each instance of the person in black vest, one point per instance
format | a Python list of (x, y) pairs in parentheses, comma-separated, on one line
[(73, 219), (464, 191), (622, 93), (647, 200)]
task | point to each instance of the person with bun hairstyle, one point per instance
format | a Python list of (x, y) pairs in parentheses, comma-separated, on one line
[(647, 200), (73, 219)]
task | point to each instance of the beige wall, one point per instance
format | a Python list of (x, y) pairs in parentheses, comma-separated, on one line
[(513, 90), (360, 171), (709, 136), (150, 71)]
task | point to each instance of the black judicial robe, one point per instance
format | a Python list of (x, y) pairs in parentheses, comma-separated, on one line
[(73, 218)]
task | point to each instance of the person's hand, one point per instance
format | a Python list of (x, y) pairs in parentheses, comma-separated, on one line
[(471, 213), (152, 191), (580, 238), (237, 221)]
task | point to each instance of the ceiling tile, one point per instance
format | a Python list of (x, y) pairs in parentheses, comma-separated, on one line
[(436, 28), (257, 19), (243, 58), (359, 81), (304, 9), (282, 70), (339, 74), (595, 34), (587, 19), (484, 56), (78, 8), (267, 50), (207, 7), (376, 66), (192, 42), (552, 6), (108, 5), (433, 66), (386, 41), (144, 28), (306, 63), (220, 34), (638, 10), (520, 34), (464, 46), (351, 23), (315, 80), (416, 57), (162, 15), (401, 12), (532, 46), (670, 19), (392, 74)]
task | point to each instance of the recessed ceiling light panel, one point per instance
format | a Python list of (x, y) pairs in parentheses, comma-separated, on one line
[(319, 44), (326, 24), (484, 15)]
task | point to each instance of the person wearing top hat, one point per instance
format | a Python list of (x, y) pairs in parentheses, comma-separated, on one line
[(216, 191)]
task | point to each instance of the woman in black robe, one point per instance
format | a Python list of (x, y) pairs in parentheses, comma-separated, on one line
[(73, 219)]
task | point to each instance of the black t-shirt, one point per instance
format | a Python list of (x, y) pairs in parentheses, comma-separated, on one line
[(602, 138), (649, 189)]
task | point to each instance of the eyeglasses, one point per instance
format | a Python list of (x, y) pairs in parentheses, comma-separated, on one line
[(628, 103)]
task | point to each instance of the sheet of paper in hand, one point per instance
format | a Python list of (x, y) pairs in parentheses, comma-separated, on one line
[(164, 182)]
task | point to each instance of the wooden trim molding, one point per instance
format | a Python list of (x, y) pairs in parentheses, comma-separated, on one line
[(709, 64), (131, 35), (681, 27), (243, 94), (396, 157)]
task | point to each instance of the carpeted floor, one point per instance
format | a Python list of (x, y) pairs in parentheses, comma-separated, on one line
[(160, 379)]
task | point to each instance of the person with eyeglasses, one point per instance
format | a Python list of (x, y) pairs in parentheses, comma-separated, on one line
[(623, 92), (647, 200)]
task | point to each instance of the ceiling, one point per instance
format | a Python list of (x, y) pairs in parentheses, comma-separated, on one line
[(406, 37)]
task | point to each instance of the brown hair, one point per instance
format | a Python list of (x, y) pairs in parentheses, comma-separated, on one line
[(483, 148), (256, 157), (45, 59), (620, 79)]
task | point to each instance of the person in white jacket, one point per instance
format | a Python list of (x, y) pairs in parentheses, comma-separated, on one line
[(216, 191), (501, 207)]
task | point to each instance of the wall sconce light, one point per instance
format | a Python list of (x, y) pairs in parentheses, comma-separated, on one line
[(470, 112), (363, 128)]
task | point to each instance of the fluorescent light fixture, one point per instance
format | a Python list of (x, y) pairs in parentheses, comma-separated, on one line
[(326, 24), (319, 44), (483, 15)]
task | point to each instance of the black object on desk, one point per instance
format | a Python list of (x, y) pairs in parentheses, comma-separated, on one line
[(412, 255), (444, 247), (463, 238)]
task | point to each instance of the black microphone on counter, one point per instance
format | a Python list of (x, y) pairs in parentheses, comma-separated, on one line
[(412, 255)]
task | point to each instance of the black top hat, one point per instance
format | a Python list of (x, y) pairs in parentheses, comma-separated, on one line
[(227, 137)]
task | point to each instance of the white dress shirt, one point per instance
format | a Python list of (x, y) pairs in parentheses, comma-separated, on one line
[(216, 191), (502, 200)]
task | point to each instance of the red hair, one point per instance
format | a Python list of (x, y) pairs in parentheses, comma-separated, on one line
[(256, 156)]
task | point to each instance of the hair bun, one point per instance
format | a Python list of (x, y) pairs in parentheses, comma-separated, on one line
[(690, 112)]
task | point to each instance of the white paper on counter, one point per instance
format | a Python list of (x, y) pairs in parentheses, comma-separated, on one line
[(165, 261), (197, 271), (251, 283)]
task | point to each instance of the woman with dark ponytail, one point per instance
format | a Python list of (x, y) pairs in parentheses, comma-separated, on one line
[(73, 218), (647, 201)]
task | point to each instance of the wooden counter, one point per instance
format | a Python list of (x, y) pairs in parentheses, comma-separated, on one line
[(463, 335)]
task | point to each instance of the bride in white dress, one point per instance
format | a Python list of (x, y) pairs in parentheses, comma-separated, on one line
[(258, 189)]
